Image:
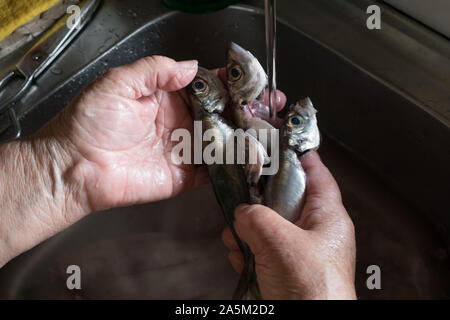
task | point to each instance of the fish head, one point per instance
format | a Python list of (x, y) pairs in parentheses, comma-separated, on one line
[(207, 93), (299, 129), (246, 78)]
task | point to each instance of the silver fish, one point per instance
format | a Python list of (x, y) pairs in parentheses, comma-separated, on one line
[(284, 191), (209, 97), (247, 81)]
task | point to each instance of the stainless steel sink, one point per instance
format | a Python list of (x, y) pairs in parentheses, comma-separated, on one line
[(386, 141)]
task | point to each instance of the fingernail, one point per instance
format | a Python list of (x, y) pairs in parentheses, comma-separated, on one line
[(188, 64)]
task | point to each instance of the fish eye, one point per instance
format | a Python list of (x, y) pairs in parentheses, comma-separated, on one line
[(235, 73), (199, 85), (295, 121)]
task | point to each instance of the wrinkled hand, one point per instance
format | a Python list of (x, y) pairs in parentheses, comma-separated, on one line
[(311, 259), (110, 147), (119, 133)]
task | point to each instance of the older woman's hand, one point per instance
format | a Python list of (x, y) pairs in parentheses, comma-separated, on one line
[(312, 259), (110, 147)]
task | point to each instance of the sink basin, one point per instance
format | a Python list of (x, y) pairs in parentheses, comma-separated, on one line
[(388, 151)]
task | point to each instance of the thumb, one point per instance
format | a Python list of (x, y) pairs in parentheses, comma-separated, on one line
[(323, 209), (261, 227), (144, 76)]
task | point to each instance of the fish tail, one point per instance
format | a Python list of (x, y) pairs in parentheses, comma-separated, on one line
[(247, 288)]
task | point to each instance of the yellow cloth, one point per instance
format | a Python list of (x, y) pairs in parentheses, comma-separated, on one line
[(14, 13)]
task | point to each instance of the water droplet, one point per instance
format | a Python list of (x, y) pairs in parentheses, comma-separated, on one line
[(132, 13), (56, 71)]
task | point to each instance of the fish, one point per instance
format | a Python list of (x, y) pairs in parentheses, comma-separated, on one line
[(247, 81), (208, 99), (284, 192)]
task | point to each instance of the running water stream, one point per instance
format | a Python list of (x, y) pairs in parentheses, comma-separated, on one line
[(271, 53)]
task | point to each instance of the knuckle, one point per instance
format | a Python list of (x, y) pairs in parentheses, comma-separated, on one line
[(151, 61), (157, 60), (110, 79), (178, 79), (344, 225), (349, 226), (114, 73), (334, 193), (253, 217), (345, 221)]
